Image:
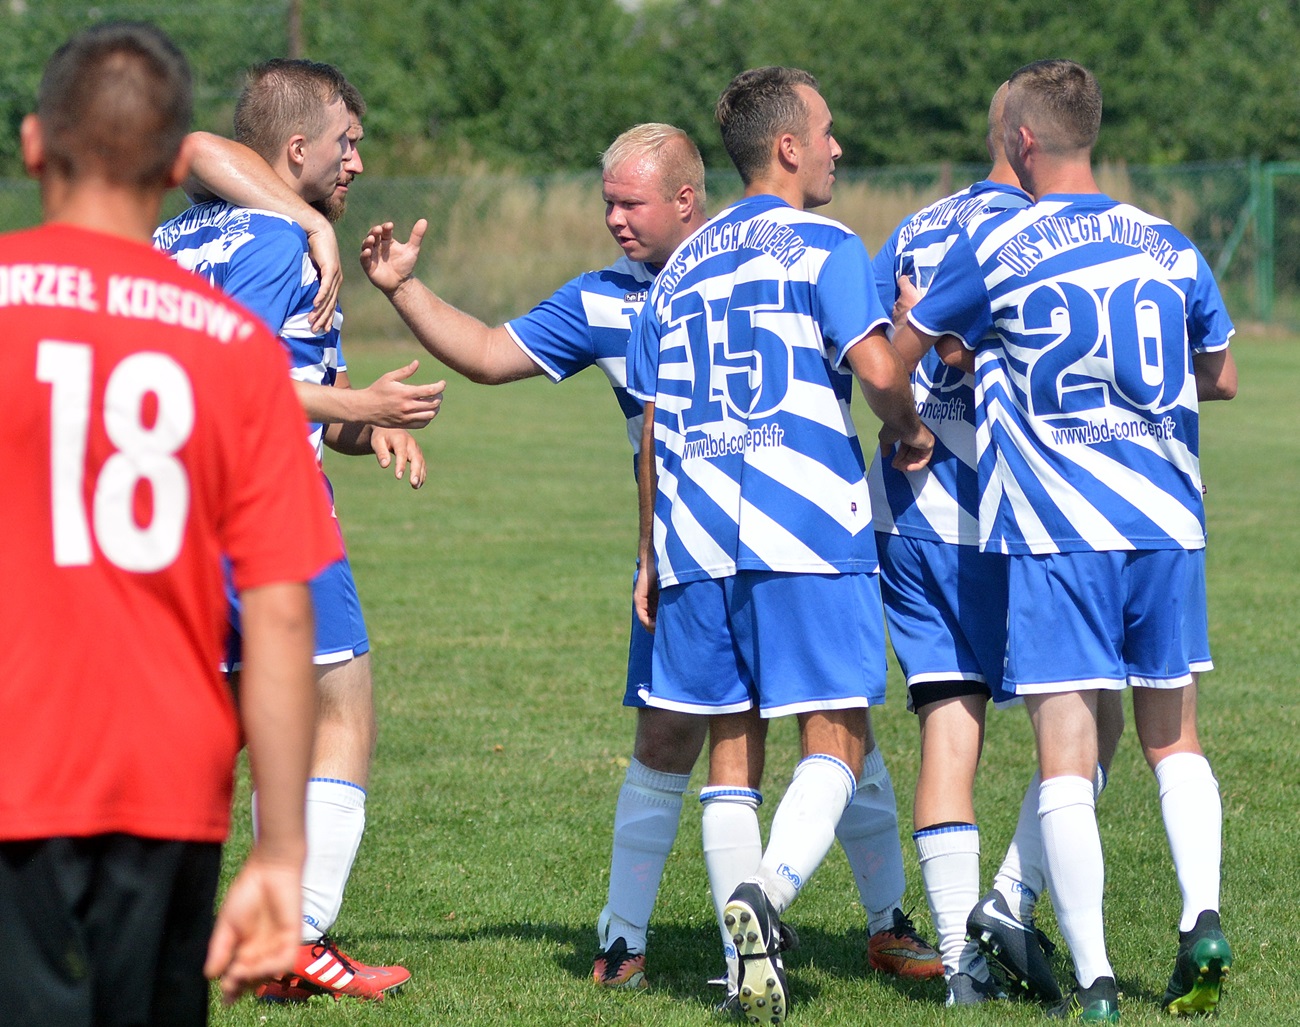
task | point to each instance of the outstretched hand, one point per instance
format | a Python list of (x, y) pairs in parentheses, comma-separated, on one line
[(388, 262), (397, 405)]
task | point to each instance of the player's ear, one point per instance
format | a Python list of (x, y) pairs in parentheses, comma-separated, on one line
[(1023, 140), (296, 149), (788, 150), (32, 139), (685, 200), (180, 169)]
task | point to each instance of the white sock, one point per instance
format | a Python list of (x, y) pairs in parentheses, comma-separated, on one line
[(733, 847), (645, 827), (1022, 878), (336, 819), (868, 831), (950, 870), (1072, 847), (1193, 815), (803, 826)]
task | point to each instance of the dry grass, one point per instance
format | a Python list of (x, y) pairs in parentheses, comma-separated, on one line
[(498, 244)]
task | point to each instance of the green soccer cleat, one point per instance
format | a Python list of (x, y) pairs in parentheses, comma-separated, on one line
[(1203, 961), (1097, 1003)]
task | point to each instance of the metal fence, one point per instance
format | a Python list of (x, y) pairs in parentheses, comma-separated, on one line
[(496, 243)]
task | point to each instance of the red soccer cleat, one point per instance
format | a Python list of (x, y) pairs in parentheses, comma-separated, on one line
[(323, 969)]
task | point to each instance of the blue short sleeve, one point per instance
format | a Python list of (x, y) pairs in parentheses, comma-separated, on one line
[(848, 303), (268, 276), (957, 302), (643, 355), (885, 271), (556, 333)]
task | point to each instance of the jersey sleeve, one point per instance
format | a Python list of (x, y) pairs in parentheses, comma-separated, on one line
[(1208, 325), (267, 275), (643, 354), (274, 478), (556, 334), (957, 302), (884, 269), (848, 302)]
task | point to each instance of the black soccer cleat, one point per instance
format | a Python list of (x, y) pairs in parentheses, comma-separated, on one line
[(1018, 952)]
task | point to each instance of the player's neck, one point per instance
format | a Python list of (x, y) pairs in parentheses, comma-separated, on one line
[(785, 187), (1062, 177), (101, 207), (1003, 174)]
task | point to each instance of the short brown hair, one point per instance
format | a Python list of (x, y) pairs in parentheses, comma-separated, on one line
[(757, 107), (115, 101), (283, 98), (352, 99), (1059, 100), (675, 156)]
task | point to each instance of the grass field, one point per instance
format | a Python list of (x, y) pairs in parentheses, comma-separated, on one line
[(497, 601)]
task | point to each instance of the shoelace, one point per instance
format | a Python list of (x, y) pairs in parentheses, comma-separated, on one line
[(327, 944), (905, 928)]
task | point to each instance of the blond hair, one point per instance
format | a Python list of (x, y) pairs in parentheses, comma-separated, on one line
[(671, 151)]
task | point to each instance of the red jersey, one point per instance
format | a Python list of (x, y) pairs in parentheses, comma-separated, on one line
[(147, 429)]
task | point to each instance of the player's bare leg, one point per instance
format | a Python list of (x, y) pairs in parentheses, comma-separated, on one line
[(345, 723), (1193, 816), (732, 841), (947, 837), (869, 834), (803, 830), (336, 820), (645, 827), (1065, 726)]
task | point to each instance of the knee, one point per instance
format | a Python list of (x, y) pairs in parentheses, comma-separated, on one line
[(669, 742), (345, 697)]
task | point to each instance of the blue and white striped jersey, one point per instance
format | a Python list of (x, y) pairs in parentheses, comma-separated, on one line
[(1084, 314), (940, 502), (260, 258), (740, 346), (588, 321)]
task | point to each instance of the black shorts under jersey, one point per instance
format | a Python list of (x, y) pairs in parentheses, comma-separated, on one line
[(109, 931)]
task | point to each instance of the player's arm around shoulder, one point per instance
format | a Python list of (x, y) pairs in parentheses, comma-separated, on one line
[(265, 267), (488, 356), (232, 171)]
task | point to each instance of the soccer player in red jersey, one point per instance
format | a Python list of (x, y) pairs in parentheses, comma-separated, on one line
[(144, 441)]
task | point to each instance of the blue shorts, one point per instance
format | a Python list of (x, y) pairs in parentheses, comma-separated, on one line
[(946, 607), (1081, 621), (786, 643), (640, 655), (340, 628), (640, 652), (1196, 625)]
